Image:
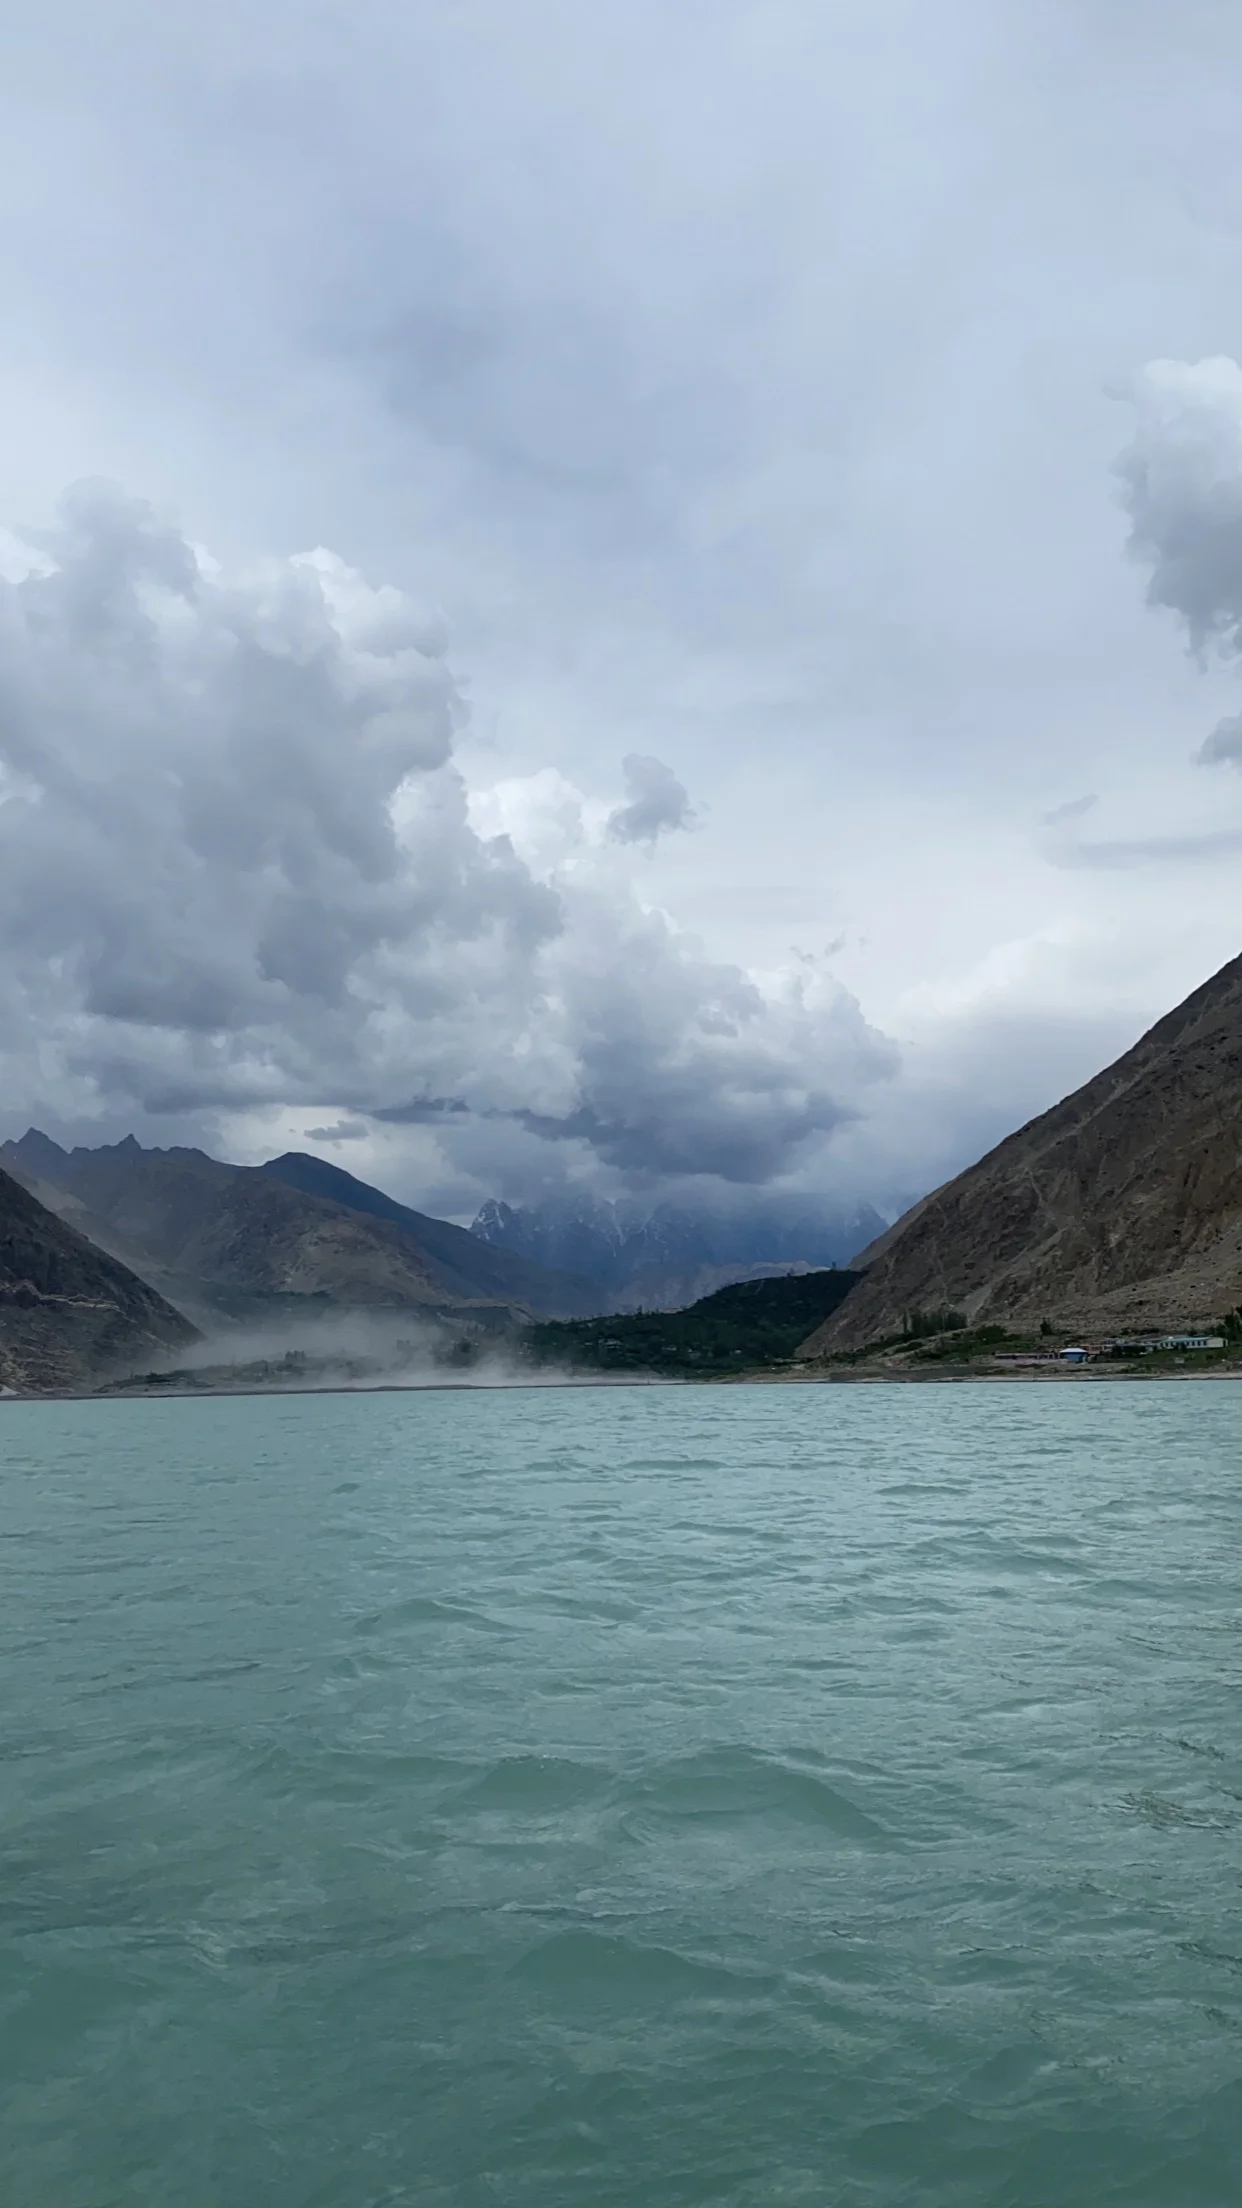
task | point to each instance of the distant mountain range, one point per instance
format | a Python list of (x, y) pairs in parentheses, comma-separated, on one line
[(461, 1264), (181, 1241), (247, 1243), (664, 1256), (1118, 1210)]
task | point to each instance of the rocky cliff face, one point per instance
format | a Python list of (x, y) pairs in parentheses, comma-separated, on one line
[(70, 1315), (1120, 1207)]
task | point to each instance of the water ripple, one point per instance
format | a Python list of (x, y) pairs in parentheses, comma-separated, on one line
[(744, 1797)]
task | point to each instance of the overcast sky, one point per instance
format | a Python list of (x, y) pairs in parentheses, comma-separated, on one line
[(632, 593)]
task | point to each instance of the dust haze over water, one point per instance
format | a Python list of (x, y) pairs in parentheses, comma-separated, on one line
[(348, 1349)]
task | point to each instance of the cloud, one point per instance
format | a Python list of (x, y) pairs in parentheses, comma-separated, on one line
[(1224, 745), (704, 391), (1124, 853), (342, 1130), (1063, 847), (1182, 474), (686, 1065), (206, 896), (1077, 808), (658, 802), (238, 870), (1182, 478)]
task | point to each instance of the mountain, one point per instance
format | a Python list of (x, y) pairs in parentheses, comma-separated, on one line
[(667, 1255), (232, 1242), (70, 1315), (750, 1325), (248, 1242), (464, 1264), (1120, 1208)]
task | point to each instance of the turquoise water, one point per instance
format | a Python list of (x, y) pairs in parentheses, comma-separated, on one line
[(746, 1796)]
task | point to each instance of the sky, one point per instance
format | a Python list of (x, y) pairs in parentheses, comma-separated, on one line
[(638, 597)]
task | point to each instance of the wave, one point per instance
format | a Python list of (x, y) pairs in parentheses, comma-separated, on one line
[(734, 1783)]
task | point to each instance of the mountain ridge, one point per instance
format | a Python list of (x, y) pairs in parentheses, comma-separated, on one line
[(70, 1314), (459, 1255), (227, 1242), (669, 1255), (233, 1242), (1120, 1207)]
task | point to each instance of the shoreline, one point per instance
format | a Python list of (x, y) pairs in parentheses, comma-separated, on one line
[(123, 1394), (874, 1376)]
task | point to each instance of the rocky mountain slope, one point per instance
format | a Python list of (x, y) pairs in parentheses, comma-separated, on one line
[(463, 1264), (664, 1256), (228, 1242), (1119, 1208), (70, 1315), (255, 1242)]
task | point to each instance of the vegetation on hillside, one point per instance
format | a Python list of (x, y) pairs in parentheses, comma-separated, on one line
[(918, 1327), (752, 1325)]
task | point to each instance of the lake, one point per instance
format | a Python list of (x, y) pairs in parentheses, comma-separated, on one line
[(745, 1795)]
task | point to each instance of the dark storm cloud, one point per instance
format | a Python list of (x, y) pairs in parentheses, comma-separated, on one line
[(203, 890), (683, 1065), (424, 1111), (237, 869), (341, 1130)]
